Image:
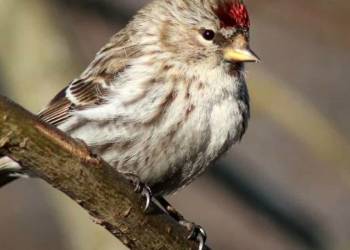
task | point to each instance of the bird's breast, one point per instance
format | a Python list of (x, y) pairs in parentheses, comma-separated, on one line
[(170, 132), (211, 122)]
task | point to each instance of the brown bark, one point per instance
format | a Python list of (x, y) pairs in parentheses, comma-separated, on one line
[(70, 167)]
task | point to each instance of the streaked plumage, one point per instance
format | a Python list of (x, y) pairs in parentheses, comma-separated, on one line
[(160, 101)]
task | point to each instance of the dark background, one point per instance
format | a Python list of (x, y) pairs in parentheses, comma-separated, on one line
[(286, 186)]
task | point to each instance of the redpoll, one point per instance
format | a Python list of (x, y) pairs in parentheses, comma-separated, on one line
[(167, 95)]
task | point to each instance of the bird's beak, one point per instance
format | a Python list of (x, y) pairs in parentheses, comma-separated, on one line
[(239, 51)]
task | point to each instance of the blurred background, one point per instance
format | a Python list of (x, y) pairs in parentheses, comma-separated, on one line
[(286, 186)]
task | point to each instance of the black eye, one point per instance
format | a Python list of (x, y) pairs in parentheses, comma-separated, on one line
[(208, 35)]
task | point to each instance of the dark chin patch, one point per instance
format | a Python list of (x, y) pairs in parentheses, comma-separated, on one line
[(238, 66), (234, 68)]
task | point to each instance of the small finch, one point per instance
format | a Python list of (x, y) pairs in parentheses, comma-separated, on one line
[(166, 96)]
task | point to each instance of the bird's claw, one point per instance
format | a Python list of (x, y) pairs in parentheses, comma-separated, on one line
[(147, 193), (196, 233), (141, 188)]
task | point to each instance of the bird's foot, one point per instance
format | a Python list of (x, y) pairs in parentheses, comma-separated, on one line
[(196, 233), (141, 188)]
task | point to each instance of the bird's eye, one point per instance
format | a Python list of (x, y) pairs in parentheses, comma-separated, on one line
[(208, 35)]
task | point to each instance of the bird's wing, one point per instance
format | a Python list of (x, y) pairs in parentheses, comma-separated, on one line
[(80, 94), (93, 86)]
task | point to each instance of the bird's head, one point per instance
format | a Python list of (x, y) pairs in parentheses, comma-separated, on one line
[(201, 31)]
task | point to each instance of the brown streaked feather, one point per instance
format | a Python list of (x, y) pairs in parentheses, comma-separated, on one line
[(93, 85), (58, 110), (86, 93)]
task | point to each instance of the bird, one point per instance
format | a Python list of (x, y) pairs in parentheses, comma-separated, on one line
[(165, 97)]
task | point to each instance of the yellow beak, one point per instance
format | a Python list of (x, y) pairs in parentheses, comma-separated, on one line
[(239, 51)]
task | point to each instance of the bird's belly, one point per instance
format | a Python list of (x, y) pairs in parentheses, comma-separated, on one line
[(170, 155), (204, 137)]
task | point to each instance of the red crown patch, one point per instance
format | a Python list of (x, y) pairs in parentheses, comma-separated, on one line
[(233, 14)]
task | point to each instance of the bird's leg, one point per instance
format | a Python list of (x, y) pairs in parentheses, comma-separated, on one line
[(196, 231), (140, 187)]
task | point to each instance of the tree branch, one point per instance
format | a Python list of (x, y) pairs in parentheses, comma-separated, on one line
[(88, 180)]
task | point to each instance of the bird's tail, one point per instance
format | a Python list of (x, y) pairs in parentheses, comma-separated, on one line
[(9, 171)]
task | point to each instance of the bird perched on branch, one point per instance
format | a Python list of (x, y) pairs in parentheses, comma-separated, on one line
[(166, 96)]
